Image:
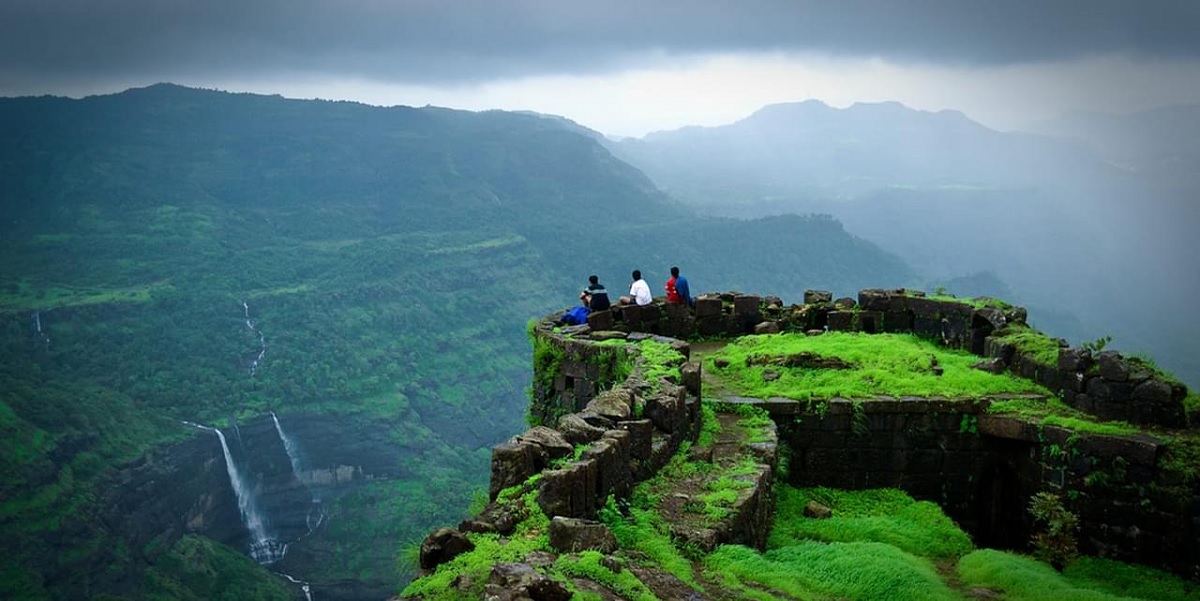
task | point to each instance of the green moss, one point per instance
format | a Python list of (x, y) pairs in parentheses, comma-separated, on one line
[(878, 515), (659, 361), (1088, 579), (891, 364), (474, 566), (709, 426), (587, 565), (1031, 343), (645, 532), (1054, 412)]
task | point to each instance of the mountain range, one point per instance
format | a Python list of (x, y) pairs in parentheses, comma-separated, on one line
[(360, 275)]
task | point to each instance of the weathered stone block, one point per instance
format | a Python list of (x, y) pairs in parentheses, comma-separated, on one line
[(711, 325), (708, 307), (570, 491), (897, 322), (577, 431), (441, 546), (615, 404), (875, 299), (841, 321), (512, 464), (767, 327), (572, 535), (601, 320), (641, 432), (666, 409), (1113, 366), (817, 296), (521, 582), (690, 373)]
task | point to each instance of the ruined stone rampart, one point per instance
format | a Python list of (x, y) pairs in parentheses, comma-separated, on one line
[(1136, 502)]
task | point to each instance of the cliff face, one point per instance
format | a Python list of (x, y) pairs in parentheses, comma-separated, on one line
[(186, 488)]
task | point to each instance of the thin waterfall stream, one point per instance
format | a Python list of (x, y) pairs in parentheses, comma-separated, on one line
[(263, 548), (262, 339)]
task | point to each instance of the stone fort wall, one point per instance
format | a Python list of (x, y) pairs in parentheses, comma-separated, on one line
[(1134, 502)]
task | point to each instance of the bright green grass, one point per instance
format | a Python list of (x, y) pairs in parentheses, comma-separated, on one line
[(530, 535), (660, 361), (587, 565), (646, 532), (891, 364), (978, 303), (1087, 579), (1028, 341), (856, 571), (883, 515), (53, 297), (1054, 412)]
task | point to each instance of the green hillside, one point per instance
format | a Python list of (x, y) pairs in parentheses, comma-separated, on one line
[(172, 254)]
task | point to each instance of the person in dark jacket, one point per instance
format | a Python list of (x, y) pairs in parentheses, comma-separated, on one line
[(594, 297)]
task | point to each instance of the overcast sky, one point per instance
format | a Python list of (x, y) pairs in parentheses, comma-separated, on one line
[(623, 67)]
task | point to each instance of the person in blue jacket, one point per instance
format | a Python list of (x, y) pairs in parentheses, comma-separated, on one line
[(677, 289)]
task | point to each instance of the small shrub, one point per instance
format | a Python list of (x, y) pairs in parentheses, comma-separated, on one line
[(1055, 542)]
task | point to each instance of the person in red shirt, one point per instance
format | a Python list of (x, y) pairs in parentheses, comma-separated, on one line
[(677, 288)]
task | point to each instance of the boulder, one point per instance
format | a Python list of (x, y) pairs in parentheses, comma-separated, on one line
[(992, 366), (577, 431), (550, 441), (1074, 359), (521, 581), (441, 546), (512, 464), (571, 535), (615, 404), (767, 327), (813, 509), (1113, 367), (845, 303), (1154, 392)]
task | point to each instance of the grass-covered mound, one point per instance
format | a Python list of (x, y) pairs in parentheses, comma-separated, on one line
[(855, 366), (883, 545), (1087, 579), (884, 515)]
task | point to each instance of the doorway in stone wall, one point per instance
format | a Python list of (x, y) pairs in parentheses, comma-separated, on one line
[(1000, 520)]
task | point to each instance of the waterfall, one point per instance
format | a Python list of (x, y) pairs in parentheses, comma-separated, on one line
[(303, 585), (289, 445), (263, 548), (293, 453), (262, 339), (37, 328)]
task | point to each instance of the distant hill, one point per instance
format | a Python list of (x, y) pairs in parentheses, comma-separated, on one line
[(173, 254), (1094, 230)]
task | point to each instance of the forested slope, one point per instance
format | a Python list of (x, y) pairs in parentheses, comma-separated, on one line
[(172, 254)]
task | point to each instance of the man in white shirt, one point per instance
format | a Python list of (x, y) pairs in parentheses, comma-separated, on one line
[(639, 291)]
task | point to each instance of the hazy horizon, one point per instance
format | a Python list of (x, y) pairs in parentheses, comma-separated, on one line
[(624, 69)]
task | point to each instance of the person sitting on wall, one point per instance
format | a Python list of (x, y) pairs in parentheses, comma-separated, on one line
[(677, 289), (594, 297), (639, 291)]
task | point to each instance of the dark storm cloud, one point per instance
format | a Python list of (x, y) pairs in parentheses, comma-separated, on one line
[(439, 41)]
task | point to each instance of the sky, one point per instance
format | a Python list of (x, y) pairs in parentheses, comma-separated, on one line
[(623, 67)]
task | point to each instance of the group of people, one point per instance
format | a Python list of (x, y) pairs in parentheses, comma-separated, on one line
[(595, 297)]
